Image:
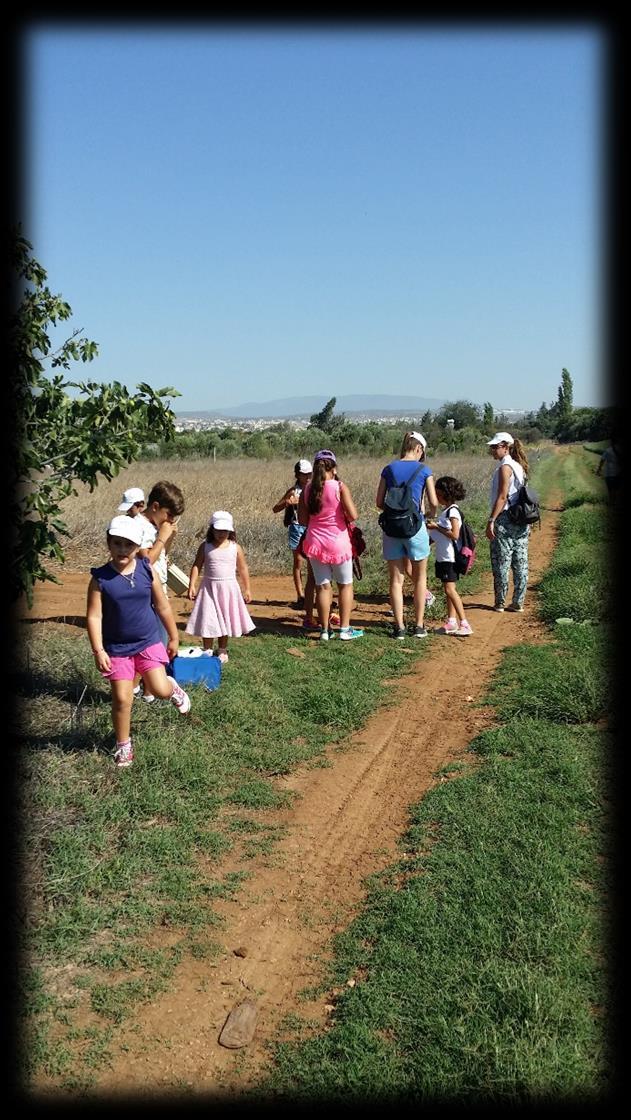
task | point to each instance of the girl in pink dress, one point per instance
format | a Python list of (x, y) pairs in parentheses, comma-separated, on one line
[(219, 611), (326, 506)]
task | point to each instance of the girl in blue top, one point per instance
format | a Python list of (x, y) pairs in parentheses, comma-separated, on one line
[(398, 550), (124, 597)]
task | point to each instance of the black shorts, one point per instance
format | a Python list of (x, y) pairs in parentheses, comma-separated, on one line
[(446, 571)]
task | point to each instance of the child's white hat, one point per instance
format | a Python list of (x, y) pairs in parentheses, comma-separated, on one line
[(500, 437), (421, 439), (130, 497), (221, 519), (304, 466), (127, 527)]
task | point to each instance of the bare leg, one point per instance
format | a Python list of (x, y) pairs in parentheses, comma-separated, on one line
[(396, 572), (309, 593), (207, 643), (297, 574), (122, 697), (345, 596), (419, 578), (323, 603), (455, 608), (158, 683)]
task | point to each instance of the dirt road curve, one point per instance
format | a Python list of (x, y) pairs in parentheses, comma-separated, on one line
[(343, 825)]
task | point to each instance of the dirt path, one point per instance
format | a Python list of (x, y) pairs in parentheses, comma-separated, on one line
[(343, 825)]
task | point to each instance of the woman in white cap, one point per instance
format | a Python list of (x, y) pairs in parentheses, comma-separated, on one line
[(411, 468), (509, 542), (220, 611), (288, 505)]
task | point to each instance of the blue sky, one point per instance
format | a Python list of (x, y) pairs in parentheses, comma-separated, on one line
[(260, 212)]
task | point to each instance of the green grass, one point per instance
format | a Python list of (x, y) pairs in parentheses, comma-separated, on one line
[(477, 957), (109, 856), (477, 961)]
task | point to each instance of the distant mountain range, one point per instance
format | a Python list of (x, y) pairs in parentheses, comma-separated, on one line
[(306, 406)]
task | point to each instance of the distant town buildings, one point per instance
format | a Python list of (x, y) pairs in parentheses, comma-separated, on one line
[(204, 421)]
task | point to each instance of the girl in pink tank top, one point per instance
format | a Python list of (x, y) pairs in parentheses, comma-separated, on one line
[(326, 507)]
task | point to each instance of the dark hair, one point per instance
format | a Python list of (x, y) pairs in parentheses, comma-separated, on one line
[(452, 488), (320, 467), (210, 535), (167, 495)]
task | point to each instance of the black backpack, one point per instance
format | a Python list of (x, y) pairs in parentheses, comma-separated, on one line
[(400, 516), (290, 515), (464, 547), (525, 509)]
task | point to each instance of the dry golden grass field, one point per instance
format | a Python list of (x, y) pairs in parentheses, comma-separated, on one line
[(248, 488)]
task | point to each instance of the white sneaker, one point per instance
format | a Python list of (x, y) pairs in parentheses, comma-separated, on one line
[(124, 755), (180, 699), (350, 633)]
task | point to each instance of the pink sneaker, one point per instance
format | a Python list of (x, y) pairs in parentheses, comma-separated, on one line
[(334, 619), (223, 656), (124, 755), (180, 699), (450, 626), (464, 629)]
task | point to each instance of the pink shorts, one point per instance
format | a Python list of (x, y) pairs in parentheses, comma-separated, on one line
[(125, 668)]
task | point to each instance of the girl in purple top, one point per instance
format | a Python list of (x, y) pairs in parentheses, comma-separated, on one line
[(124, 597), (326, 507)]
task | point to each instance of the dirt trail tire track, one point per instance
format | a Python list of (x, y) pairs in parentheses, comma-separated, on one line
[(343, 825)]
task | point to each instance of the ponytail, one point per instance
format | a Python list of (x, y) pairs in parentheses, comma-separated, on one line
[(410, 443), (320, 467), (518, 453)]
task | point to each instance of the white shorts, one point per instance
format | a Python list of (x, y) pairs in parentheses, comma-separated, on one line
[(325, 573)]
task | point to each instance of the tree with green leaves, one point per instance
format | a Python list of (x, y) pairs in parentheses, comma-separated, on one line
[(325, 420), (63, 431), (463, 413), (565, 398), (488, 416)]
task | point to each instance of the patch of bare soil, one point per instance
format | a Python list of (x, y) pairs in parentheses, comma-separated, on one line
[(343, 825)]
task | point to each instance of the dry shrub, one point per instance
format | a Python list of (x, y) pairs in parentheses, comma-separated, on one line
[(248, 488)]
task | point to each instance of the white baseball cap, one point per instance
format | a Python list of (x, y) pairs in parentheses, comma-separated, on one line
[(420, 438), (127, 527), (304, 466), (221, 519), (130, 497), (500, 437)]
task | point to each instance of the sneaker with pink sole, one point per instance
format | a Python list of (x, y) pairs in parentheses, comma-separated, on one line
[(180, 699), (223, 656), (124, 754), (449, 626), (464, 629)]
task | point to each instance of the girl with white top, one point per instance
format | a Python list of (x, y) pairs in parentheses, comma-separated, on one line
[(444, 531), (509, 542)]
